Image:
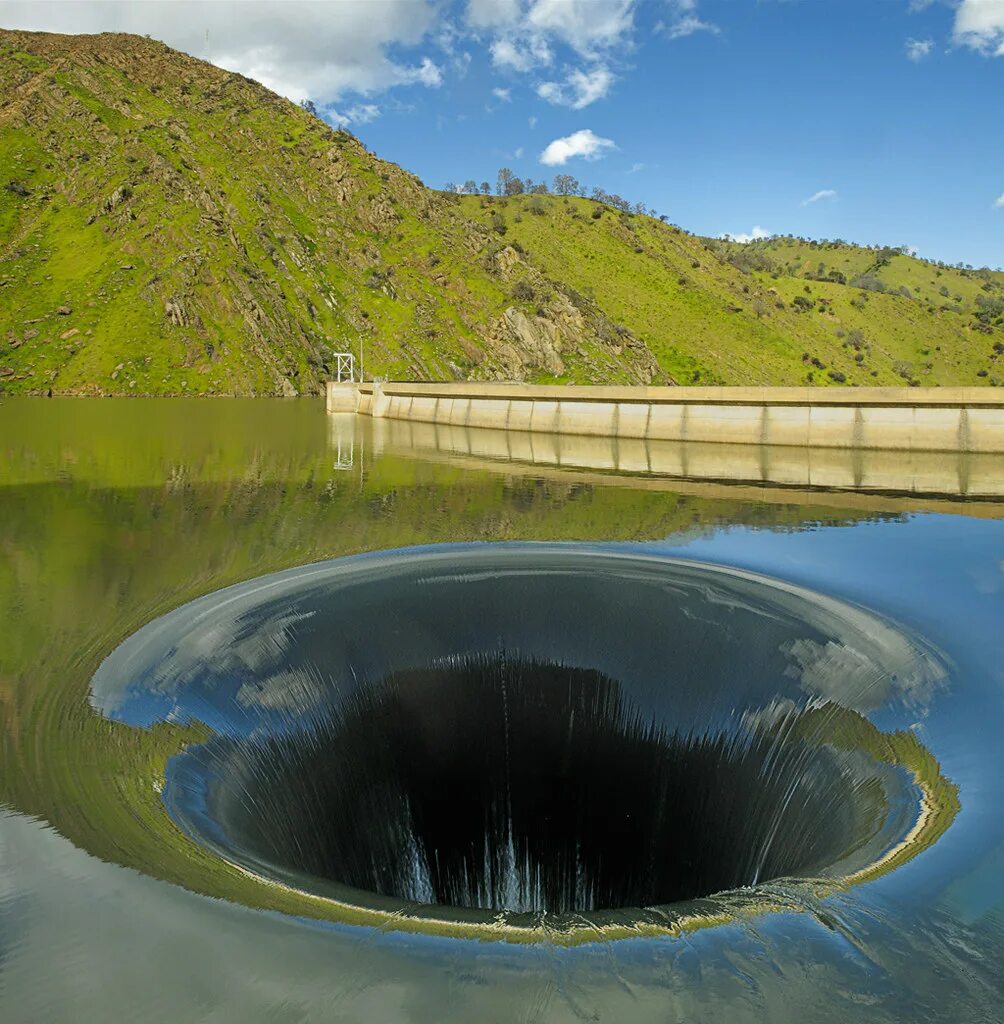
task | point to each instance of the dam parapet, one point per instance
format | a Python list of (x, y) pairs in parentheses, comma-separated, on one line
[(893, 419)]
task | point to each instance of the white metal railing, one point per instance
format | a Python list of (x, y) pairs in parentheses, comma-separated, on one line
[(345, 367)]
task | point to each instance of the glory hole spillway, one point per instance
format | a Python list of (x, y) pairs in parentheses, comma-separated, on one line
[(519, 741)]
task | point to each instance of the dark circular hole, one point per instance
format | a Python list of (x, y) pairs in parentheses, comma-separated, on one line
[(508, 783)]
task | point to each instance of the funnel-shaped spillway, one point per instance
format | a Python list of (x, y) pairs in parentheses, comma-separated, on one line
[(526, 730)]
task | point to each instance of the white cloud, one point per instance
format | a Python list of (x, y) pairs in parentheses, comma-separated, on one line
[(756, 233), (491, 13), (823, 193), (299, 49), (999, 202), (361, 113), (520, 54), (579, 89), (583, 143), (684, 20), (504, 95), (461, 63), (979, 24), (635, 168), (918, 49), (532, 122), (519, 153), (585, 25), (526, 32), (426, 73)]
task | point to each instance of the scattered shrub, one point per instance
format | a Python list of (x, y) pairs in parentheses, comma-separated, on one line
[(868, 283)]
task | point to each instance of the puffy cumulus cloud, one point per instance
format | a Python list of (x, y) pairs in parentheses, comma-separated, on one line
[(584, 143), (756, 233), (918, 49), (427, 73), (585, 25), (823, 193), (297, 48), (979, 24), (361, 113), (579, 88), (525, 33), (520, 54), (999, 204), (503, 95), (683, 20)]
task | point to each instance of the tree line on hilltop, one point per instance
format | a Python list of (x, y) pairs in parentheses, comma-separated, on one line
[(508, 184)]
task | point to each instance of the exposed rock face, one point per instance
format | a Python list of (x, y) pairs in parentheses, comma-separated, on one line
[(175, 312), (507, 260), (527, 343), (119, 196)]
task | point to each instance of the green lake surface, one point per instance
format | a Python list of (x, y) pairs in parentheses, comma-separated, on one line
[(114, 513)]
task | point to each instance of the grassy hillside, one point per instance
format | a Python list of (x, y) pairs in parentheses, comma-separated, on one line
[(726, 313), (167, 227)]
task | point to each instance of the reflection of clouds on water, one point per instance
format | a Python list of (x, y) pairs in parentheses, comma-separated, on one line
[(284, 643), (245, 643), (776, 712), (294, 690), (988, 578), (231, 643), (861, 680)]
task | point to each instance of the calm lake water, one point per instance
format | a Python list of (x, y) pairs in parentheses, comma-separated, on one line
[(551, 745)]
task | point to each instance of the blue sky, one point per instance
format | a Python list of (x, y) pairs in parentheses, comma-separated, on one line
[(728, 116)]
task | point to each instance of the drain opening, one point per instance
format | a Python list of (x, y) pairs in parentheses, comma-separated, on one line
[(513, 784)]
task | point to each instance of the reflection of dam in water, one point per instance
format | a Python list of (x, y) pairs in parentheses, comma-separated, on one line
[(965, 475)]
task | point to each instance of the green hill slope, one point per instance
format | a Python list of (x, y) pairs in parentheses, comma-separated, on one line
[(168, 227), (725, 313)]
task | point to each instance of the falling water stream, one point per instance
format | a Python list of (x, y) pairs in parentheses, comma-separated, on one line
[(298, 725)]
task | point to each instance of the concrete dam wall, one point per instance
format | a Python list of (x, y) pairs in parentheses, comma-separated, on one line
[(967, 420)]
